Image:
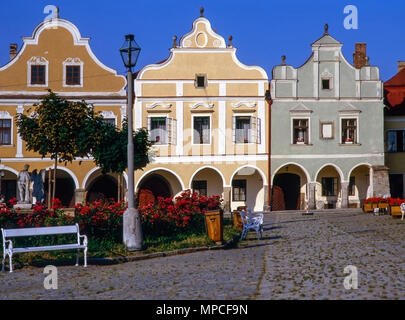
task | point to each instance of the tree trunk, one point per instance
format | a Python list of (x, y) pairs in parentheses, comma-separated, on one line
[(49, 188), (54, 178)]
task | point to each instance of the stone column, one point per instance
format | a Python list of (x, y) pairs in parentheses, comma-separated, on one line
[(266, 205), (227, 199), (312, 195), (381, 182), (79, 195), (345, 195)]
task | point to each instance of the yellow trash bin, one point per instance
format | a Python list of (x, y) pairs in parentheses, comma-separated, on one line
[(214, 223), (237, 220)]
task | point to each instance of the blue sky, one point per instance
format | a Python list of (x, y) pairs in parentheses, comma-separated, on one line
[(262, 30)]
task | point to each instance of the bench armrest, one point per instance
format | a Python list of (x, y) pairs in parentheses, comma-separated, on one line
[(84, 240), (10, 245)]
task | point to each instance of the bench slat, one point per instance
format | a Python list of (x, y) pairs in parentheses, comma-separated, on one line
[(48, 248), (24, 232)]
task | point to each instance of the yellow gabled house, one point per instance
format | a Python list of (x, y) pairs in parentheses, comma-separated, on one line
[(56, 56), (207, 117)]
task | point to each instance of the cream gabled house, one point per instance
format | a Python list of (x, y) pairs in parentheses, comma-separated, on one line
[(207, 118), (56, 56)]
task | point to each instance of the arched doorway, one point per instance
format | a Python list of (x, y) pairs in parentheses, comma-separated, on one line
[(290, 184), (153, 187), (65, 188), (248, 189), (157, 183), (290, 188), (329, 187), (102, 187), (208, 182), (359, 184), (8, 184)]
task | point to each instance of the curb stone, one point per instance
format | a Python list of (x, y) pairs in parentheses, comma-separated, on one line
[(118, 260)]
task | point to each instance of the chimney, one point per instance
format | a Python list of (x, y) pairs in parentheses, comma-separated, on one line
[(360, 55), (13, 50), (401, 65)]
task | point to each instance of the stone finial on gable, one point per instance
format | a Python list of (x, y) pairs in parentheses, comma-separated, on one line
[(230, 41), (174, 42), (202, 12), (283, 57), (326, 29)]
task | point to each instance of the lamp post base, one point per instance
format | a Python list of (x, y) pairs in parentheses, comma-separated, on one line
[(132, 235)]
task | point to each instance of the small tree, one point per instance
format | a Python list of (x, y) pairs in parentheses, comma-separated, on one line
[(110, 148), (60, 129)]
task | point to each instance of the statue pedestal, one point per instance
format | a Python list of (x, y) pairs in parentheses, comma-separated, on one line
[(22, 206)]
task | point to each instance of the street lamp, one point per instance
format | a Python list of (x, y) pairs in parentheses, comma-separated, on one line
[(132, 233)]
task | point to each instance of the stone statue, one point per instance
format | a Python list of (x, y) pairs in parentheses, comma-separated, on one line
[(23, 182), (38, 179)]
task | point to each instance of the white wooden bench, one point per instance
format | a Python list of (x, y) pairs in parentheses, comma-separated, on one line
[(9, 250)]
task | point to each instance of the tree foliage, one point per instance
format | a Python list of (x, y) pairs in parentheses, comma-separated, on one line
[(110, 151), (65, 130), (59, 128)]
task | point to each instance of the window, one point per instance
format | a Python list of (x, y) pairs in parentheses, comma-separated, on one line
[(158, 130), (329, 187), (110, 121), (201, 132), (200, 187), (73, 75), (200, 81), (5, 131), (242, 134), (352, 187), (246, 129), (300, 131), (326, 84), (239, 190), (38, 74), (396, 140), (349, 131)]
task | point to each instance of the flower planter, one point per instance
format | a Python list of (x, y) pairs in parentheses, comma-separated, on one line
[(369, 207), (215, 225), (395, 210)]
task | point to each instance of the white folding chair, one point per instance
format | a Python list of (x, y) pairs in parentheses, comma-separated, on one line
[(402, 210)]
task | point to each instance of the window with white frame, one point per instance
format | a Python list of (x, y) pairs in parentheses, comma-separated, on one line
[(201, 130), (5, 131), (300, 131), (246, 129), (349, 131), (37, 72), (73, 72), (162, 130)]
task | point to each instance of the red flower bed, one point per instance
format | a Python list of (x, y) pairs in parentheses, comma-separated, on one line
[(395, 201), (185, 212), (376, 200), (390, 201), (101, 218)]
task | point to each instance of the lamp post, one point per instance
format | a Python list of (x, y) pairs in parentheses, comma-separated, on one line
[(132, 233)]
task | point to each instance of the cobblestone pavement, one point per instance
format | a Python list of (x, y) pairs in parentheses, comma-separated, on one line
[(299, 257)]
